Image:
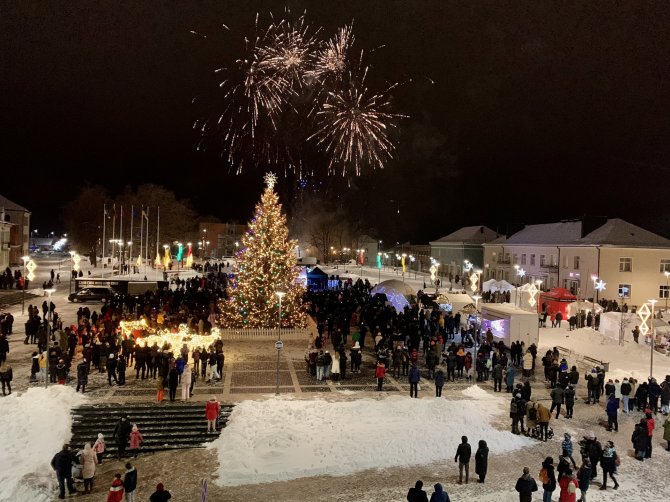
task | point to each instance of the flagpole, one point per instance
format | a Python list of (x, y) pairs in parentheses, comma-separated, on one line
[(146, 248), (158, 227), (121, 240), (104, 224), (141, 234), (130, 246), (113, 236)]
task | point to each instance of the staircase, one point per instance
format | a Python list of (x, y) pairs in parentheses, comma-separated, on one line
[(163, 426)]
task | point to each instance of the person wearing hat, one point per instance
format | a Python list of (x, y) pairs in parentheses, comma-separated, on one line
[(594, 451), (61, 372), (121, 434), (115, 493), (99, 447), (160, 495), (463, 454), (608, 464), (566, 446), (211, 413), (356, 358), (380, 373), (525, 486)]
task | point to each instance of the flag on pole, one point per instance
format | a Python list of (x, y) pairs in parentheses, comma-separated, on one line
[(167, 259), (379, 261), (402, 261), (157, 261), (189, 257), (139, 260), (180, 252)]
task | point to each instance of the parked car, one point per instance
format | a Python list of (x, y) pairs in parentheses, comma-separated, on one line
[(91, 295)]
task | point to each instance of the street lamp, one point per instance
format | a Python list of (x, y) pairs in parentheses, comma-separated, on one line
[(49, 292), (653, 339), (476, 298), (23, 299), (379, 266), (280, 295)]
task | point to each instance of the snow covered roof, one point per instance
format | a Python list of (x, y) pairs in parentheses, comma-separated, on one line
[(11, 206), (563, 232), (477, 234), (617, 232)]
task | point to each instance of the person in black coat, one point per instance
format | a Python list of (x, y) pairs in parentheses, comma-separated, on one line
[(439, 382), (416, 494), (62, 464), (173, 380), (526, 485), (463, 454), (82, 375), (130, 480), (482, 460), (121, 434)]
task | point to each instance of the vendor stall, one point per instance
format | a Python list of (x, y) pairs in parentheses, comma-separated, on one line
[(510, 324)]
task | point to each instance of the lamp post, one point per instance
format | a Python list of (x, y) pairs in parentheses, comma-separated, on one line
[(72, 253), (280, 295), (49, 293), (411, 261), (666, 293), (23, 299), (652, 341), (476, 298), (379, 266)]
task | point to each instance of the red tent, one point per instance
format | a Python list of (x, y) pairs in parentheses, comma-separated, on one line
[(556, 300)]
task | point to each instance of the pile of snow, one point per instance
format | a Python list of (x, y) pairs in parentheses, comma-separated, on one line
[(281, 439), (631, 359), (35, 426)]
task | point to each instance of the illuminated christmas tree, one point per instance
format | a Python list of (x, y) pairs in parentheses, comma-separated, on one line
[(265, 265)]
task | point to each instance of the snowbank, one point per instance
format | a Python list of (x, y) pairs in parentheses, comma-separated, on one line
[(282, 439), (35, 426), (631, 359)]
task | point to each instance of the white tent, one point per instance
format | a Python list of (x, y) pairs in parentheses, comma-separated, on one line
[(399, 294), (505, 286), (490, 286), (454, 302)]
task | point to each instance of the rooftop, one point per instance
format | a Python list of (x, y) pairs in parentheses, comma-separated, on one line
[(477, 234)]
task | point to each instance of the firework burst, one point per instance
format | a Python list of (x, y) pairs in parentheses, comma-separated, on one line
[(353, 129), (292, 90)]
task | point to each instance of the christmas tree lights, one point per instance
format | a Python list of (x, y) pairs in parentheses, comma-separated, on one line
[(265, 265)]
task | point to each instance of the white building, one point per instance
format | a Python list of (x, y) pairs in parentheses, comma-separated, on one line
[(18, 218), (630, 261)]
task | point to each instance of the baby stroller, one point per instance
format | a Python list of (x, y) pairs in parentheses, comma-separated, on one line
[(535, 432)]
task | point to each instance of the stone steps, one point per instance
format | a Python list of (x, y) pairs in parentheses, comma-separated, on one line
[(163, 426)]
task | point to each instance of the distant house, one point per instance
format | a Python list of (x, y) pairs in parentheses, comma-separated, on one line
[(18, 219), (466, 243), (630, 261)]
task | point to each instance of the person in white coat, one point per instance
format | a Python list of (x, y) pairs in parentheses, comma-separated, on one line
[(335, 369), (527, 363), (186, 383), (88, 460)]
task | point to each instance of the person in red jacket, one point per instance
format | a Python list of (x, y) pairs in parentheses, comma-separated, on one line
[(211, 413), (116, 490), (380, 373)]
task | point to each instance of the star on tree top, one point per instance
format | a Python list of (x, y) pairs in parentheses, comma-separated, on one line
[(270, 180)]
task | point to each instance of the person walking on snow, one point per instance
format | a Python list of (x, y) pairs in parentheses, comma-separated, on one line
[(414, 379), (115, 493), (481, 461), (416, 494), (463, 454)]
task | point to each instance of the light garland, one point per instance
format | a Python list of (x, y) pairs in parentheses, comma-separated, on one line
[(264, 266)]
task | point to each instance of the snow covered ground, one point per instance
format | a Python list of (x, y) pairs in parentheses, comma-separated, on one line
[(631, 359), (36, 423), (284, 439)]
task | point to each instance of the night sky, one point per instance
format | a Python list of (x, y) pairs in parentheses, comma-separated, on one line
[(539, 110)]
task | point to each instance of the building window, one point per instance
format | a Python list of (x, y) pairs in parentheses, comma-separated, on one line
[(493, 257), (523, 259), (576, 263), (624, 290), (665, 266), (565, 261), (625, 264), (507, 257), (532, 259), (664, 291), (542, 261)]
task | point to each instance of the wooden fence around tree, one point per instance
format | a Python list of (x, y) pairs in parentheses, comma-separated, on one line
[(265, 334)]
